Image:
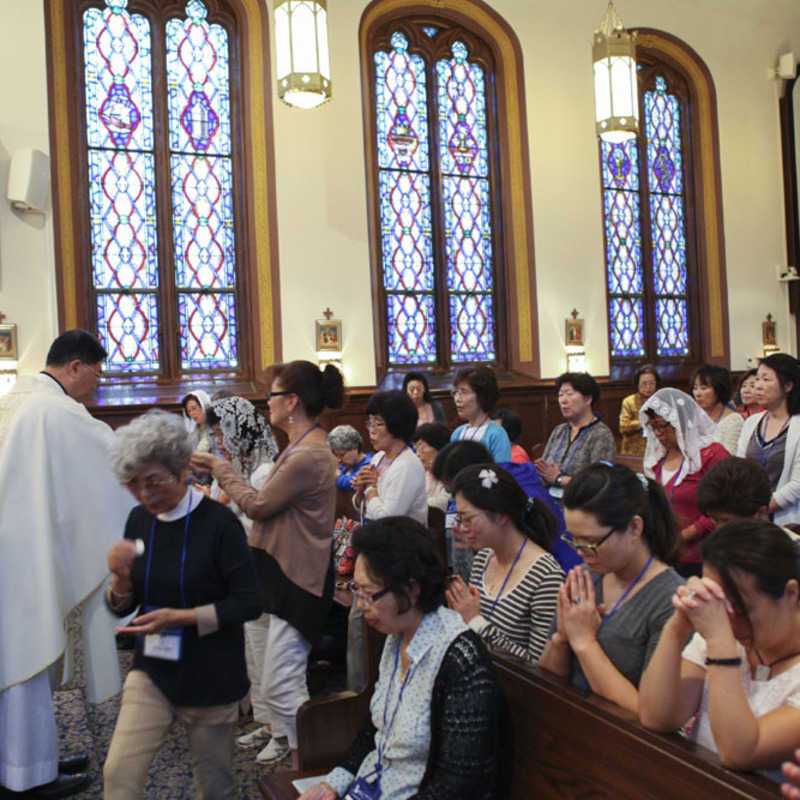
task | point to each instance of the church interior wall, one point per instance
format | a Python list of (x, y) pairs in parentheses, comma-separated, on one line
[(320, 180)]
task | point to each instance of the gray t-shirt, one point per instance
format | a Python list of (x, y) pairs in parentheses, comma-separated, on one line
[(630, 635), (595, 442)]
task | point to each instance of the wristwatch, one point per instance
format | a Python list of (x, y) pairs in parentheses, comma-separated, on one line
[(557, 481)]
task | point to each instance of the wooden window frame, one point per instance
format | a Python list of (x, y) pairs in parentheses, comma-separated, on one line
[(707, 298), (515, 286), (257, 292)]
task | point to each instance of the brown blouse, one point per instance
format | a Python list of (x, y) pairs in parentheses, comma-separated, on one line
[(293, 514)]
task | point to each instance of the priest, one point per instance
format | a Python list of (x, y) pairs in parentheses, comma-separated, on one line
[(60, 510)]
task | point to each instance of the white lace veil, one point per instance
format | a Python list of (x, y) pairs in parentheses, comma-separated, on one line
[(246, 435), (694, 430)]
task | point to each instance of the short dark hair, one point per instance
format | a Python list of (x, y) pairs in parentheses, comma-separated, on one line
[(616, 494), (316, 389), (787, 368), (423, 379), (505, 496), (718, 378), (511, 422), (581, 382), (738, 486), (756, 547), (74, 344), (399, 552), (749, 374), (398, 412), (435, 434), (646, 369), (453, 457), (483, 382)]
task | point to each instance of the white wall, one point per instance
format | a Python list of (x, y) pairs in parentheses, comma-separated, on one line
[(321, 202), (27, 272)]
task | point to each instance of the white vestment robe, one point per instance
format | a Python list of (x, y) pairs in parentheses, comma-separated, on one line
[(61, 509)]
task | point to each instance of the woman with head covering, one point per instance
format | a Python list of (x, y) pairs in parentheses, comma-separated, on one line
[(772, 437), (682, 448), (195, 405), (185, 567)]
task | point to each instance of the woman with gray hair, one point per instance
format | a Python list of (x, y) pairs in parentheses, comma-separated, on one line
[(348, 447), (185, 567)]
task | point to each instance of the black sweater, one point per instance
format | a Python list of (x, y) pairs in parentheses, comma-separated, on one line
[(219, 570), (468, 729)]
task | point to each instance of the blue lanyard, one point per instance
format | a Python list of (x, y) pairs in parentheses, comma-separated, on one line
[(508, 575), (386, 728), (763, 456), (672, 479), (183, 554), (289, 449), (564, 464), (626, 592)]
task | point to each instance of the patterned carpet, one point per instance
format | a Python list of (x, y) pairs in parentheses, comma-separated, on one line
[(170, 775)]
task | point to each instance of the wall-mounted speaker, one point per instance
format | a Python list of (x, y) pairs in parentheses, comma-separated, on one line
[(28, 180)]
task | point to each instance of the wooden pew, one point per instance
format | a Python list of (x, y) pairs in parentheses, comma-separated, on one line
[(567, 745)]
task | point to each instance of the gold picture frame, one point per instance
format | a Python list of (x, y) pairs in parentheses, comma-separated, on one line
[(8, 341), (329, 335), (573, 332)]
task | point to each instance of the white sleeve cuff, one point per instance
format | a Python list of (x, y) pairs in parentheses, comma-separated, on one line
[(478, 624), (207, 621), (339, 780)]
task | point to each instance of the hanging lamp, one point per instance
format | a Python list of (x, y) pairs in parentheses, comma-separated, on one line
[(301, 37), (616, 100)]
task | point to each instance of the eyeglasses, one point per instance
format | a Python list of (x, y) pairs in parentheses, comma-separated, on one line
[(462, 392), (277, 394), (585, 549), (151, 483), (465, 520), (375, 423), (366, 600), (98, 373)]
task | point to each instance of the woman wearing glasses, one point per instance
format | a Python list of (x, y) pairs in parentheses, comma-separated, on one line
[(475, 394), (293, 517), (185, 565), (513, 591), (394, 482), (435, 715), (683, 448), (609, 620)]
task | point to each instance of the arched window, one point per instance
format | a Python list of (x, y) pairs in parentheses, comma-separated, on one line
[(654, 194), (439, 155), (158, 160)]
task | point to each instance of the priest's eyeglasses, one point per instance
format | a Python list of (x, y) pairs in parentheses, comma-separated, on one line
[(585, 549), (365, 599)]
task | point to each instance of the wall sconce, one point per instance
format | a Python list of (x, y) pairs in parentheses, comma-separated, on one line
[(301, 38), (573, 342), (616, 95), (328, 336)]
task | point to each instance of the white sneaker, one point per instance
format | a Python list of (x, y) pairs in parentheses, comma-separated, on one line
[(256, 738), (277, 749)]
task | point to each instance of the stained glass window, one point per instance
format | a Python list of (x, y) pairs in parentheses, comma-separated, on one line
[(434, 189), (142, 291), (644, 207)]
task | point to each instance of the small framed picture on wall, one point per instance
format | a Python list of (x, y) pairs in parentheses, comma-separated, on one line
[(8, 342), (329, 335)]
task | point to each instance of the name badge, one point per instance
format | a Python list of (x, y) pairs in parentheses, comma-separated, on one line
[(449, 523), (166, 645), (556, 491), (363, 790)]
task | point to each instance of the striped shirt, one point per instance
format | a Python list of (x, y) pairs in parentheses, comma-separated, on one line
[(520, 623)]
